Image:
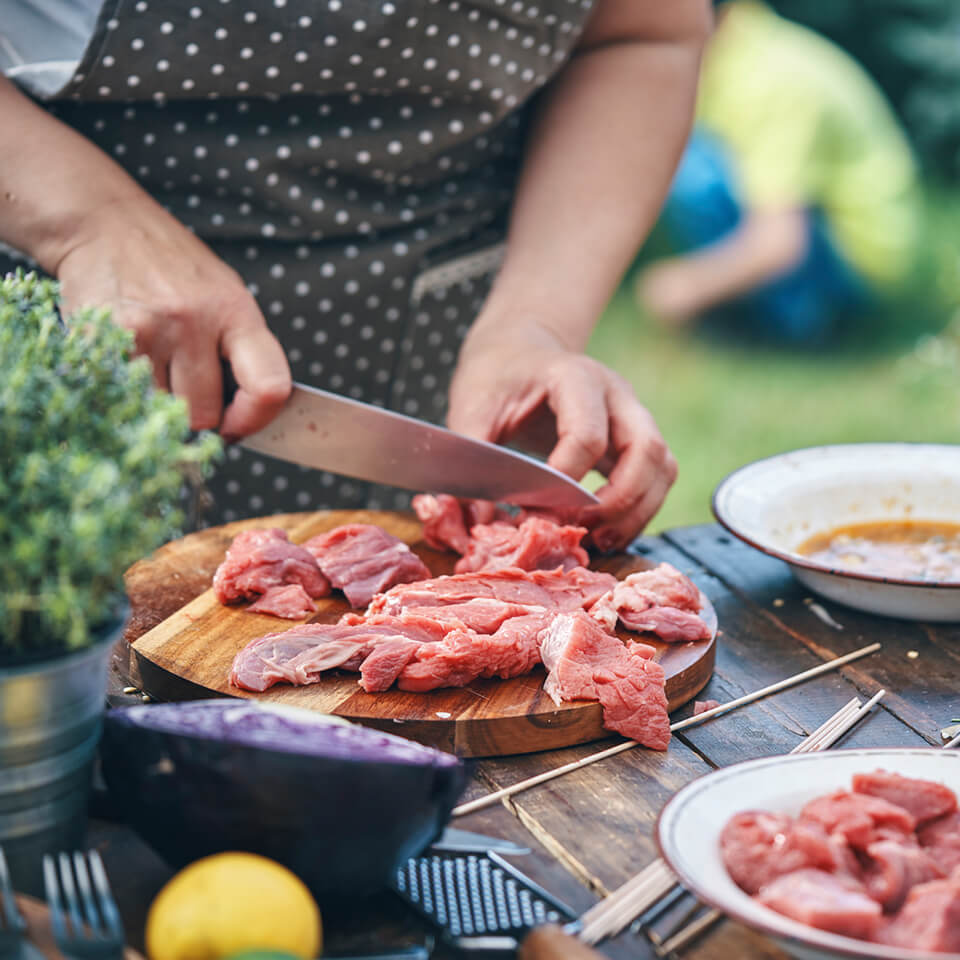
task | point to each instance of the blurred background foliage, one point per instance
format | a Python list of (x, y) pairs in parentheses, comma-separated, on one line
[(894, 375)]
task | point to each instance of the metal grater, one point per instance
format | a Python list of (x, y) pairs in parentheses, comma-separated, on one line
[(479, 901)]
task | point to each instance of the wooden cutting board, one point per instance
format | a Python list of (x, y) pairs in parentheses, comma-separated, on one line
[(189, 653)]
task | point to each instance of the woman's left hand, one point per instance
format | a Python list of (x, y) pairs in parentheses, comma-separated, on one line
[(523, 385)]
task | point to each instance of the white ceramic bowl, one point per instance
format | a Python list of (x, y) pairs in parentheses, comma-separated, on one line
[(689, 828), (778, 503)]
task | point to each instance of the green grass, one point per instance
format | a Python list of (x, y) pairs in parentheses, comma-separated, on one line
[(721, 405)]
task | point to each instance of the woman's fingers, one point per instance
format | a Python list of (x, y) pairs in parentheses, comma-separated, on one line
[(263, 379), (195, 376), (577, 398)]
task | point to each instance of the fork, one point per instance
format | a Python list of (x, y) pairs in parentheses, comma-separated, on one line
[(97, 934), (12, 924)]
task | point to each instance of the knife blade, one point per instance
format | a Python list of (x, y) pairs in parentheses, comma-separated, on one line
[(328, 432)]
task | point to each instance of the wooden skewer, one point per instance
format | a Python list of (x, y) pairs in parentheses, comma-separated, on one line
[(950, 744), (492, 798)]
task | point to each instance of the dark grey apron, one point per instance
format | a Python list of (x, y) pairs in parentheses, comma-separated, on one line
[(353, 161)]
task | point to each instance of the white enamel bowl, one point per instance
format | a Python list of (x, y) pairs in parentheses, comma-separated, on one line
[(778, 503), (689, 828)]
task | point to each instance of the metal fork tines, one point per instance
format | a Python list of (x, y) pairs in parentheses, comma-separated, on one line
[(83, 915), (12, 924)]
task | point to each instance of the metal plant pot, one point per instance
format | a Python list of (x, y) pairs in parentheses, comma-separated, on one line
[(51, 715)]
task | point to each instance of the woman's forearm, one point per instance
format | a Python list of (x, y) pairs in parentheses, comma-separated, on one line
[(52, 181), (599, 162)]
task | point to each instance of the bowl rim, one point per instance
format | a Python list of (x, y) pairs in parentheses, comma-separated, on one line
[(779, 926), (799, 560)]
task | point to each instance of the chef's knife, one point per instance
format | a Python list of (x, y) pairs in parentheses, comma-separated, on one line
[(329, 432)]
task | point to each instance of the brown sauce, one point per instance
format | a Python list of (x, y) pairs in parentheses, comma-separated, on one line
[(900, 549)]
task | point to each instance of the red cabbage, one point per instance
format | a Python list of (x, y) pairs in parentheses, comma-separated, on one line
[(343, 806)]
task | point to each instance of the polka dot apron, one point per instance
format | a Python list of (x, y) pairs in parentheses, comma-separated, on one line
[(354, 162)]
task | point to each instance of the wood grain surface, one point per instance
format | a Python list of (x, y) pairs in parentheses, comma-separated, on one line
[(187, 651)]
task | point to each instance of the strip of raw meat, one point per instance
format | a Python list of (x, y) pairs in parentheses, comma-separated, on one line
[(894, 868), (537, 544), (444, 527), (362, 560), (585, 663), (824, 900), (385, 663), (941, 838), (668, 623), (574, 589), (464, 655), (925, 799), (260, 559), (291, 602), (702, 706), (929, 920), (302, 654)]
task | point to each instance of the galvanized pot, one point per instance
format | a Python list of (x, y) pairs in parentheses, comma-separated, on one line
[(51, 715)]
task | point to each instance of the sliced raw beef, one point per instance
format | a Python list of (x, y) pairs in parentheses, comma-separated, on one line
[(893, 868), (929, 920), (584, 662), (291, 602), (260, 559), (362, 560), (758, 847), (385, 663), (925, 799), (444, 526), (574, 589), (856, 816), (661, 601), (941, 838), (824, 900), (464, 655), (702, 706), (536, 544), (302, 654)]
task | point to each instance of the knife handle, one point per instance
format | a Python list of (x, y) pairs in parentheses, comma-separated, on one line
[(549, 942)]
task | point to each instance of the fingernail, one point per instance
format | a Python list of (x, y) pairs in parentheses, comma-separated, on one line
[(605, 539)]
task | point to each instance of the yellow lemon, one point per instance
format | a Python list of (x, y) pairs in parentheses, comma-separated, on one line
[(232, 903)]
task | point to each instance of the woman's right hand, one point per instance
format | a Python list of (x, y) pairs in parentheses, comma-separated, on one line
[(187, 309), (77, 213)]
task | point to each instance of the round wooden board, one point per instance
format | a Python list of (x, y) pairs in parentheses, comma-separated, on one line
[(188, 653)]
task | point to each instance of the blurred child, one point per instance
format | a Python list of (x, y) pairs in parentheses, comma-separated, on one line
[(795, 203)]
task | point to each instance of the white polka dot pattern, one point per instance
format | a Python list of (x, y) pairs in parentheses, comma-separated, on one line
[(329, 157)]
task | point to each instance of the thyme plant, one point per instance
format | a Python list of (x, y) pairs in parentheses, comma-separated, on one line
[(91, 461)]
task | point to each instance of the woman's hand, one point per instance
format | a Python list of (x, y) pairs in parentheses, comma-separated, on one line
[(187, 309), (523, 386), (85, 221)]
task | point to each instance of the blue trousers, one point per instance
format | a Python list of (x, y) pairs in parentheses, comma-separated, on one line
[(801, 306)]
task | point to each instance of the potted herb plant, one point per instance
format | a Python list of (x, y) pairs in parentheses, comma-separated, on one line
[(91, 473)]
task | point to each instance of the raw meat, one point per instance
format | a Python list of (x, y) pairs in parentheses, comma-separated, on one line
[(464, 655), (929, 920), (585, 663), (758, 847), (385, 663), (362, 560), (661, 601), (444, 526), (823, 900), (942, 840), (575, 589), (893, 868), (702, 706), (925, 799), (536, 544), (260, 559), (300, 655), (856, 815), (291, 602)]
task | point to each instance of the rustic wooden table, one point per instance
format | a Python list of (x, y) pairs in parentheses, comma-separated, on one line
[(591, 830)]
